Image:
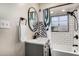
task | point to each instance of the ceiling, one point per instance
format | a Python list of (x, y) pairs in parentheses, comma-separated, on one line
[(63, 9)]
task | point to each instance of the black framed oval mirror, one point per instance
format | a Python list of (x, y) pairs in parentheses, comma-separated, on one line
[(32, 19), (46, 18)]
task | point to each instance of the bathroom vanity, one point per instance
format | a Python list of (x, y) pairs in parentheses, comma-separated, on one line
[(37, 47)]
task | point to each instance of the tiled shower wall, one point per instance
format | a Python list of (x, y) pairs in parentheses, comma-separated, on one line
[(61, 40), (64, 40)]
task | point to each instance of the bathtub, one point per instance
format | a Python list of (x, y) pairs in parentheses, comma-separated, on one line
[(63, 53)]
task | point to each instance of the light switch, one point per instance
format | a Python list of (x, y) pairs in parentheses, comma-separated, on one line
[(4, 24)]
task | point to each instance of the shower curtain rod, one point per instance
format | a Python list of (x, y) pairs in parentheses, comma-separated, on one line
[(60, 5)]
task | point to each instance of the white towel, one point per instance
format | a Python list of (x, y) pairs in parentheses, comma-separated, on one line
[(22, 32)]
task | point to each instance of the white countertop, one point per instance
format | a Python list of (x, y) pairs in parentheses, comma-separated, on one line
[(41, 41)]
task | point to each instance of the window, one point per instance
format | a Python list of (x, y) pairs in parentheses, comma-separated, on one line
[(59, 23)]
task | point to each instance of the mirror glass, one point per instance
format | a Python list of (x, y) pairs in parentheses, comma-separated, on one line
[(32, 19), (46, 18)]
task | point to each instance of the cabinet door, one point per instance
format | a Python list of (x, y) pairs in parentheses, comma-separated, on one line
[(33, 49)]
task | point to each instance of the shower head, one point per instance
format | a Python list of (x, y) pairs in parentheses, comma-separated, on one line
[(72, 13)]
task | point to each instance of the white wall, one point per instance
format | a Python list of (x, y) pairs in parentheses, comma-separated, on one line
[(9, 39), (61, 40)]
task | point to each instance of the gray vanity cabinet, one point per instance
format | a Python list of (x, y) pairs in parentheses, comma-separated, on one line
[(32, 49)]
